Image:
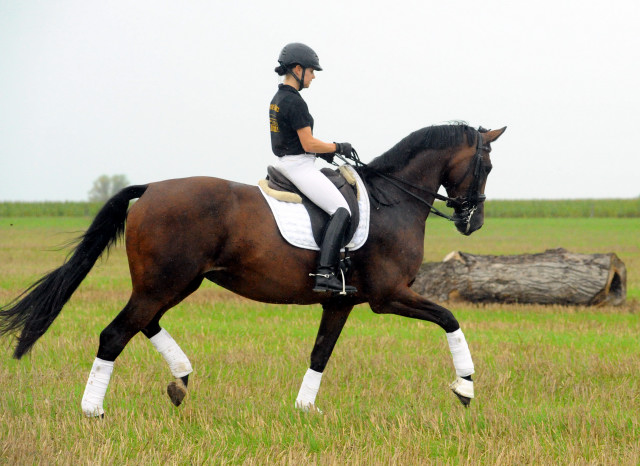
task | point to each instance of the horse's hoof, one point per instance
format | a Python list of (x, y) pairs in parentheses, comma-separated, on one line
[(464, 400), (308, 408), (95, 412), (177, 390), (463, 390)]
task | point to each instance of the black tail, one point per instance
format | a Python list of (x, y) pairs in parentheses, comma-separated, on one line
[(34, 311)]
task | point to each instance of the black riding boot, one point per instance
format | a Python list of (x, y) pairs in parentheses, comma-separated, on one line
[(326, 278)]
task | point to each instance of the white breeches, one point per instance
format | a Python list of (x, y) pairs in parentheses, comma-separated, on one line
[(300, 170)]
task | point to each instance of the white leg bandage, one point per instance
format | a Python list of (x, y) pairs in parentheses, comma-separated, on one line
[(460, 353), (96, 388), (308, 390), (171, 352)]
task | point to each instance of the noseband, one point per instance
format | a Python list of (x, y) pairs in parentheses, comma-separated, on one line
[(464, 207)]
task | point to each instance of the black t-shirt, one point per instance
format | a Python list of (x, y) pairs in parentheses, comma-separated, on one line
[(288, 113)]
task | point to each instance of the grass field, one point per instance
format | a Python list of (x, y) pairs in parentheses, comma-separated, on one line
[(554, 385)]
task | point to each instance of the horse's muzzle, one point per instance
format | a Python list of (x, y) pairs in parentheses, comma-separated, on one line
[(468, 220)]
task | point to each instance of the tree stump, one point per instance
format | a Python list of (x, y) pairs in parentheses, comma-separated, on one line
[(556, 276)]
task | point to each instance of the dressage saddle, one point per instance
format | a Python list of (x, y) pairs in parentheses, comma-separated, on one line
[(277, 183)]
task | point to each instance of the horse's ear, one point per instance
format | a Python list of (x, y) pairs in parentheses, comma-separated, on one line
[(491, 136)]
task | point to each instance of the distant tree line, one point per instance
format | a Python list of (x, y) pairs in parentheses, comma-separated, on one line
[(106, 186)]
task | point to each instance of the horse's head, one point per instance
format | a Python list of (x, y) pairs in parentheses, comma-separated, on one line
[(465, 179)]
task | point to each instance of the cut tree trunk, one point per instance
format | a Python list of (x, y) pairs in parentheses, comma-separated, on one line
[(555, 276)]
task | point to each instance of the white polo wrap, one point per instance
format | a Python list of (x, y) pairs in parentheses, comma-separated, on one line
[(460, 353), (96, 388), (171, 352), (462, 387), (308, 390)]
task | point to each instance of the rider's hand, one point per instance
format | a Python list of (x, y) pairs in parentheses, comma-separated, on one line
[(328, 157), (343, 148)]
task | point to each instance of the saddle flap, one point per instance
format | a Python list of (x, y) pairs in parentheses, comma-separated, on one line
[(281, 188)]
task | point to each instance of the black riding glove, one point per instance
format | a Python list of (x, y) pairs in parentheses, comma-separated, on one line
[(343, 148), (327, 156)]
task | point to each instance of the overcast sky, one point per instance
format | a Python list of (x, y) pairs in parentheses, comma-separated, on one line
[(160, 89)]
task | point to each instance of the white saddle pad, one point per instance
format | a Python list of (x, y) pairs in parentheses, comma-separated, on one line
[(295, 225)]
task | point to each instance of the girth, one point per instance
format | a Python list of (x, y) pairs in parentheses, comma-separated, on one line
[(278, 182)]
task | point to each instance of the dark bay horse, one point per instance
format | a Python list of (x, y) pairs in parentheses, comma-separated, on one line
[(183, 231)]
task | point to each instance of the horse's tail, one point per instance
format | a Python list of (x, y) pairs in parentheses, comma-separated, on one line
[(36, 308)]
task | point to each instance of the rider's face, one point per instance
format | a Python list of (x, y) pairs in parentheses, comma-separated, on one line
[(309, 75)]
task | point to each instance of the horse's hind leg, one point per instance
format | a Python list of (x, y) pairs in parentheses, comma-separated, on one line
[(178, 362), (334, 316), (164, 343), (140, 313), (113, 339)]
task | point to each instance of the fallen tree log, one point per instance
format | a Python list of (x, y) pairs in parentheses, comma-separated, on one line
[(553, 277)]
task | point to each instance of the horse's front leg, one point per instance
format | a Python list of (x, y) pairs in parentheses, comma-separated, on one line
[(334, 316), (408, 303)]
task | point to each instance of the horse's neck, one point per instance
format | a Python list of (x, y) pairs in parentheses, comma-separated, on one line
[(425, 170), (421, 177)]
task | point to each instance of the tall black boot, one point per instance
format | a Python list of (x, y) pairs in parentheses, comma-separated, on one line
[(326, 278)]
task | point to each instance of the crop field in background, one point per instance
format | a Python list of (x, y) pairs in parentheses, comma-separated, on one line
[(553, 384), (578, 208)]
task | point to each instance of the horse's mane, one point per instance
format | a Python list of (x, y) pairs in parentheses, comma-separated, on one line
[(431, 137)]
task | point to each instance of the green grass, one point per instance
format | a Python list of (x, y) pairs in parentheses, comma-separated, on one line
[(554, 385)]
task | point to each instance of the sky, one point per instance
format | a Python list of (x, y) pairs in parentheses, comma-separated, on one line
[(157, 89)]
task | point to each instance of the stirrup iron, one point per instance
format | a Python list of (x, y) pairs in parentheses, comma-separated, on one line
[(344, 283)]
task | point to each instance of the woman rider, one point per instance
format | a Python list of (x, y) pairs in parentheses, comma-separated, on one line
[(293, 142)]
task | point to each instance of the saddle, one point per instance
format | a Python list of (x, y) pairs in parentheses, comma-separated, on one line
[(278, 186)]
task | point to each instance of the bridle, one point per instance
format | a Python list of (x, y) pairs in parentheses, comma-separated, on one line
[(464, 206)]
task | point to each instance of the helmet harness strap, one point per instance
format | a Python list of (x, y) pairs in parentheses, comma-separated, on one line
[(301, 79)]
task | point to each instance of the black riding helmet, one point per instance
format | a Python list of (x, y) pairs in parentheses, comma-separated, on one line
[(297, 54)]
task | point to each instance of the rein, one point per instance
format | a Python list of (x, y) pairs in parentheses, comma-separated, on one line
[(395, 181), (468, 204)]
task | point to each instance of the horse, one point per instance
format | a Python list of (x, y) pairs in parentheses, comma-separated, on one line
[(180, 232)]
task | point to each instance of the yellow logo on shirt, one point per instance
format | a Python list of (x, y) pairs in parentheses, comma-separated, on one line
[(274, 125), (272, 118)]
